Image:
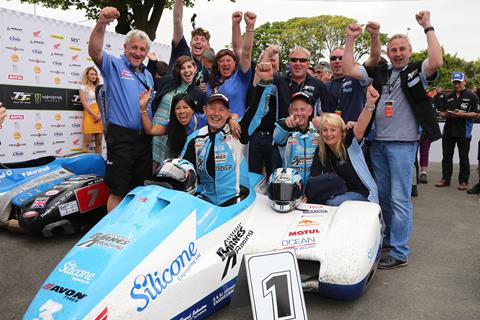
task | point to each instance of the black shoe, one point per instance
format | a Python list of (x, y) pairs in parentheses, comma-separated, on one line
[(423, 177), (389, 262), (475, 189), (414, 191), (386, 249)]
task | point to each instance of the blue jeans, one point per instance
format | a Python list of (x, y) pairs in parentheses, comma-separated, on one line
[(392, 163), (349, 195), (260, 153)]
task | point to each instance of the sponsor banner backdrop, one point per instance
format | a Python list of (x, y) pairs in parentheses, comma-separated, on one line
[(43, 61)]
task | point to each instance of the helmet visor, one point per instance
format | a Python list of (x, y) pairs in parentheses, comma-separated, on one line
[(284, 192)]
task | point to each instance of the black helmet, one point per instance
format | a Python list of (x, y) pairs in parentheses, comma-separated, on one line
[(285, 189), (177, 174)]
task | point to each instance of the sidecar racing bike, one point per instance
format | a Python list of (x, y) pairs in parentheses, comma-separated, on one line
[(165, 254), (53, 195)]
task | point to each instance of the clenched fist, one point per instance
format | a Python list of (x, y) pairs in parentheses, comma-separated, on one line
[(423, 19), (237, 17), (354, 30), (250, 19), (108, 14)]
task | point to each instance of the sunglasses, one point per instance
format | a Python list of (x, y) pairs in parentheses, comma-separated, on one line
[(335, 58), (303, 60)]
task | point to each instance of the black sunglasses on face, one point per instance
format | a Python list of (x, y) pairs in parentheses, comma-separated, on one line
[(334, 58), (303, 60)]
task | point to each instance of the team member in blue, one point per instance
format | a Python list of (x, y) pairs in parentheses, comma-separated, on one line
[(347, 92), (218, 156), (460, 110), (296, 137), (129, 150)]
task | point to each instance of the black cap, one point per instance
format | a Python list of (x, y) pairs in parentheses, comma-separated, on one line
[(218, 96), (300, 95)]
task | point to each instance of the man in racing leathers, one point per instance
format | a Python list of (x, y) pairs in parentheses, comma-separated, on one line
[(296, 137), (218, 156)]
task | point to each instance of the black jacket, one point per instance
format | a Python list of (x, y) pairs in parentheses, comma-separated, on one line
[(417, 97)]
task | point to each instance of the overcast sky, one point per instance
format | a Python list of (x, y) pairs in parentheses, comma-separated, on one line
[(456, 22)]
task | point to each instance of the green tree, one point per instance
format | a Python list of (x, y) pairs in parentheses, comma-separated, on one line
[(452, 63), (319, 35), (134, 14)]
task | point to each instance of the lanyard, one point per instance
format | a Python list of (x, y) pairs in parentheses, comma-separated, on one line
[(391, 84), (339, 92), (147, 87)]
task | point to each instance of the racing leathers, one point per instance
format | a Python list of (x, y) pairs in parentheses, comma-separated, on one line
[(219, 158), (296, 148)]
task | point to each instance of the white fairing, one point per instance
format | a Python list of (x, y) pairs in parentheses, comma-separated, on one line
[(344, 239), (162, 254)]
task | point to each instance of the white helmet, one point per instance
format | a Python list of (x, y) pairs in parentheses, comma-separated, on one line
[(285, 189), (178, 174)]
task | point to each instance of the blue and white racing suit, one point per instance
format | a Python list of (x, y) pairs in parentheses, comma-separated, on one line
[(296, 148), (219, 157)]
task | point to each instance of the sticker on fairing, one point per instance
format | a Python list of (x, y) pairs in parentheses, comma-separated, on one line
[(52, 192), (68, 208)]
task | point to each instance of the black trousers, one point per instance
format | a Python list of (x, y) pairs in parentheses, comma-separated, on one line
[(448, 147)]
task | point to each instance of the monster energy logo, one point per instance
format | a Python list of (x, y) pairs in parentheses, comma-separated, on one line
[(37, 98)]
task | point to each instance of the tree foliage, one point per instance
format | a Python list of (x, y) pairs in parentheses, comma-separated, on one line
[(452, 63), (319, 35), (134, 14)]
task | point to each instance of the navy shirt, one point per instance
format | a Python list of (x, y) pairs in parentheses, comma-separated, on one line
[(320, 99), (465, 102), (349, 97)]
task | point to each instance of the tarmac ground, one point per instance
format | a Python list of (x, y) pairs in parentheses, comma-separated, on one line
[(441, 281)]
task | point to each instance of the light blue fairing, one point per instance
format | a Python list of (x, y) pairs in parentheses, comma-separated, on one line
[(139, 224), (78, 164)]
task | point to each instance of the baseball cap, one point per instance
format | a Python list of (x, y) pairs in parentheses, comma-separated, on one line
[(300, 95), (218, 96), (458, 76)]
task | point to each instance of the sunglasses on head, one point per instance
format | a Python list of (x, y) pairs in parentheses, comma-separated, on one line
[(298, 60), (334, 58)]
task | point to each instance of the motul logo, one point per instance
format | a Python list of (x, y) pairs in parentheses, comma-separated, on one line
[(303, 232)]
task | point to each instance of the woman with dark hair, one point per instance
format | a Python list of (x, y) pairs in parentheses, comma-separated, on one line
[(231, 76), (181, 81), (182, 121)]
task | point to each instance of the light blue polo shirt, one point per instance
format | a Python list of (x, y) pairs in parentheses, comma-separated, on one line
[(235, 88), (122, 91)]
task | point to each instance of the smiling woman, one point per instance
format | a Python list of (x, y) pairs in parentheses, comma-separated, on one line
[(181, 81)]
